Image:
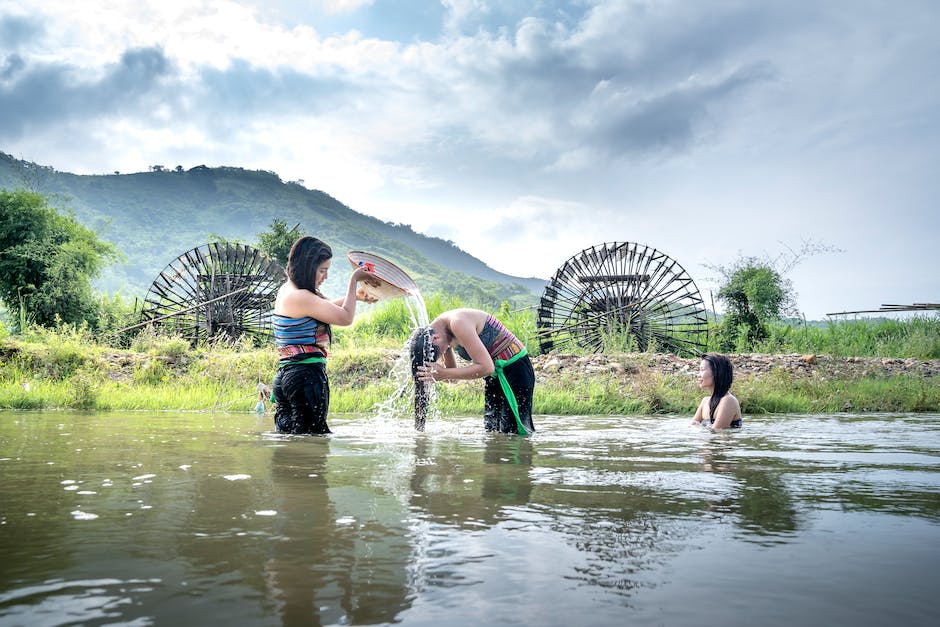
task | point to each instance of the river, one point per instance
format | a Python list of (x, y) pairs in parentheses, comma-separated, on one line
[(211, 519)]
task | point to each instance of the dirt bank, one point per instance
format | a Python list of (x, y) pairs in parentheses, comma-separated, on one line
[(745, 365)]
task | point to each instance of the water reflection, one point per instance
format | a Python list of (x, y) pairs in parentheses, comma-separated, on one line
[(471, 490), (340, 556), (214, 520), (759, 502), (297, 573)]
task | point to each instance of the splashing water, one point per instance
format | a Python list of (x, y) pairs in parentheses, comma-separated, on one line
[(416, 308), (409, 397)]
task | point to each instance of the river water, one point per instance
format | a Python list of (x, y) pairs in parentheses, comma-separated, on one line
[(211, 519)]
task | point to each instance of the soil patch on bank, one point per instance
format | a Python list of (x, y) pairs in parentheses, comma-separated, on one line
[(745, 365)]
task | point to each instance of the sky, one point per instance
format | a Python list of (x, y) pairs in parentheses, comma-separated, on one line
[(525, 132)]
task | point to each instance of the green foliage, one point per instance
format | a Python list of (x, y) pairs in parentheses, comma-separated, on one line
[(390, 323), (277, 241), (618, 339), (47, 261), (755, 289), (153, 343), (84, 389), (439, 302), (113, 314), (151, 372), (521, 322), (54, 354), (754, 294), (915, 337), (67, 368)]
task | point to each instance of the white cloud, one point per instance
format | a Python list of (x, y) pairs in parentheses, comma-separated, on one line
[(700, 129), (342, 6)]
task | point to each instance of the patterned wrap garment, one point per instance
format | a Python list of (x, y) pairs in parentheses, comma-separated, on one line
[(300, 338), (498, 414), (499, 341)]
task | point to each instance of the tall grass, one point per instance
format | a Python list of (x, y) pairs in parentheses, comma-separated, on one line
[(72, 368), (916, 337), (389, 324)]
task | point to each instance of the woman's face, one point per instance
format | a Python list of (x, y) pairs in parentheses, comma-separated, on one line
[(439, 337), (323, 271), (706, 380)]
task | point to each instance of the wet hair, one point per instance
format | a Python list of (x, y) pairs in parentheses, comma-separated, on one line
[(306, 255), (722, 376), (423, 351)]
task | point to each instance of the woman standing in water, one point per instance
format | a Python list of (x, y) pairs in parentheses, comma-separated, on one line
[(302, 319), (495, 354), (721, 409)]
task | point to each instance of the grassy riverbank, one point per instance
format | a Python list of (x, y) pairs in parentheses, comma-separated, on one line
[(70, 370)]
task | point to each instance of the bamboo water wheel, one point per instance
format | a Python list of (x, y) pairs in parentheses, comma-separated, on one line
[(213, 291), (627, 290)]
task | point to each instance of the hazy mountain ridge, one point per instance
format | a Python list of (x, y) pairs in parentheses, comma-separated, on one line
[(153, 217)]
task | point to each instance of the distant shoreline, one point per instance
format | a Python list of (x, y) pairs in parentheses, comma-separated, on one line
[(90, 377)]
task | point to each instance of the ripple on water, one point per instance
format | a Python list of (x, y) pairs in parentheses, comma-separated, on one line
[(598, 511), (50, 594)]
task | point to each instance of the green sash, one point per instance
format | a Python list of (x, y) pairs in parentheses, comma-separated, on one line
[(307, 360), (500, 364)]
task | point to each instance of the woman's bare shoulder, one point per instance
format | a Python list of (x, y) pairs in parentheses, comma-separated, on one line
[(296, 302), (729, 402)]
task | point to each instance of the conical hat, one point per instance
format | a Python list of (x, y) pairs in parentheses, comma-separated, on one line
[(391, 281)]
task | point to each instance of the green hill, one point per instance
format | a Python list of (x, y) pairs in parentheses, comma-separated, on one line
[(153, 217)]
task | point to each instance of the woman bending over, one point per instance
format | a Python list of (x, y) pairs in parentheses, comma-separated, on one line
[(495, 355)]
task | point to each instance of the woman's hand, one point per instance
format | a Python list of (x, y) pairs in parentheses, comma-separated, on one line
[(429, 373), (365, 275), (361, 295)]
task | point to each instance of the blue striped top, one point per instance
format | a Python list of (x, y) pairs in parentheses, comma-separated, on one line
[(300, 335)]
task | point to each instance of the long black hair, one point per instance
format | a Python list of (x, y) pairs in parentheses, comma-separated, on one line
[(305, 257), (422, 349), (423, 352), (722, 376)]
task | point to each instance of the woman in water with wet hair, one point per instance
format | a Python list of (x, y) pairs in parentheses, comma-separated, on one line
[(721, 410), (302, 320), (495, 355)]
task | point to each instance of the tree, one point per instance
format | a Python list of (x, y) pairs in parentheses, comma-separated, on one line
[(754, 293), (47, 261), (277, 241)]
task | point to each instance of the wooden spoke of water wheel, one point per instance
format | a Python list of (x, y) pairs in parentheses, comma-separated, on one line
[(215, 290), (624, 291)]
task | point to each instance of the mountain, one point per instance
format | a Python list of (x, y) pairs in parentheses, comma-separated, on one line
[(154, 217)]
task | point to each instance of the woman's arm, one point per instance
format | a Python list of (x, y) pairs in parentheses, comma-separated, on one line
[(465, 334), (361, 296), (341, 312), (727, 411), (449, 360), (700, 412)]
